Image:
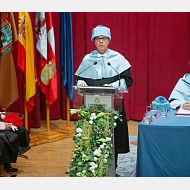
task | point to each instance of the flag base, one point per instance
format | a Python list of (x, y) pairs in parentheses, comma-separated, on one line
[(52, 135), (68, 131)]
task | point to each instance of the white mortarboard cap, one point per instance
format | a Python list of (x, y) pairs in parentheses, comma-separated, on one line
[(101, 31)]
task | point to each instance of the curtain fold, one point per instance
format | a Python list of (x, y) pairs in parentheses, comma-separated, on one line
[(157, 45)]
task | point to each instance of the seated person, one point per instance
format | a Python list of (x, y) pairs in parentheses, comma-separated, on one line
[(18, 138), (180, 96), (6, 150)]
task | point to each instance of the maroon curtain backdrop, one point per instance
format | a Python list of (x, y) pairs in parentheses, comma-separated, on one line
[(157, 45)]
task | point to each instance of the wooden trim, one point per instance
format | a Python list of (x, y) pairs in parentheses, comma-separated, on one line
[(47, 116), (68, 112), (25, 116)]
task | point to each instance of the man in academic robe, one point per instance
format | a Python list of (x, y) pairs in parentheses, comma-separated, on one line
[(6, 150), (17, 136), (180, 96), (104, 67)]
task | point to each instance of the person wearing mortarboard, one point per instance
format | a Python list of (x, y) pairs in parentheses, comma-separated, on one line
[(102, 74), (180, 96)]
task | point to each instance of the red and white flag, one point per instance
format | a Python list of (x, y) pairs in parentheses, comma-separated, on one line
[(47, 73)]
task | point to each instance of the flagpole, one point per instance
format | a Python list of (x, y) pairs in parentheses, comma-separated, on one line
[(26, 116), (47, 115), (68, 112)]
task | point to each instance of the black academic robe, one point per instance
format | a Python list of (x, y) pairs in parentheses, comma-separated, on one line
[(6, 149), (121, 138), (4, 156), (17, 139)]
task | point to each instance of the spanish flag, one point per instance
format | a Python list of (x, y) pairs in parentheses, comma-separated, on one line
[(26, 59)]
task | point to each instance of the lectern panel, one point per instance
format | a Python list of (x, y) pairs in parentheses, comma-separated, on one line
[(97, 89)]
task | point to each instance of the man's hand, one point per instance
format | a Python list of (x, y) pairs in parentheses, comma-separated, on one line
[(186, 106), (8, 126), (83, 84), (107, 85)]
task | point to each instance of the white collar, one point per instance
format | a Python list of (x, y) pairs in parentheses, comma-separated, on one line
[(96, 53), (101, 55)]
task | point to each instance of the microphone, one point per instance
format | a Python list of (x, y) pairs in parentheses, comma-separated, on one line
[(115, 71), (85, 70)]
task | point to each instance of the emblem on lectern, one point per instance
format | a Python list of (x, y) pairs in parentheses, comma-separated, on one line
[(97, 99)]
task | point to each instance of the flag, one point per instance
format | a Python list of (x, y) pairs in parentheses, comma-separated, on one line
[(66, 52), (26, 60), (8, 86), (47, 74)]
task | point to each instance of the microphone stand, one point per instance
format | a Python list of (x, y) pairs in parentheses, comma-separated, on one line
[(85, 70), (116, 72)]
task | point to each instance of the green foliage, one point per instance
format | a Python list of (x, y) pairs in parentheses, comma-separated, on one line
[(92, 136)]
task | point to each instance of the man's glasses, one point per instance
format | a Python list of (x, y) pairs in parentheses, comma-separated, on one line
[(99, 39)]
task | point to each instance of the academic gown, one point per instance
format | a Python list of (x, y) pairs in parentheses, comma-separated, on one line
[(6, 149), (19, 140), (121, 131), (96, 70), (181, 92)]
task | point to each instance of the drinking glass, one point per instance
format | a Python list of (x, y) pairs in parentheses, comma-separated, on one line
[(148, 108), (163, 112), (147, 118), (153, 113)]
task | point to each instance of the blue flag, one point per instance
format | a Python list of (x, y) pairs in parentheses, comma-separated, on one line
[(66, 52)]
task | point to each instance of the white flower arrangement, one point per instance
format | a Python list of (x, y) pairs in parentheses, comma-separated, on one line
[(91, 122), (97, 152), (79, 130), (108, 138), (92, 137), (79, 135)]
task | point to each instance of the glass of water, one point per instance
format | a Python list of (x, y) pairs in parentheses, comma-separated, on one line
[(163, 112), (147, 118), (153, 113)]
